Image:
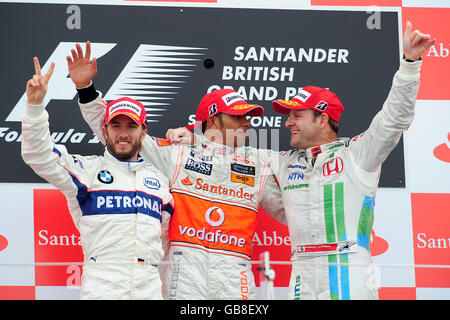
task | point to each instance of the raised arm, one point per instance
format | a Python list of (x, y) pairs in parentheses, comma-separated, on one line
[(373, 147), (50, 161)]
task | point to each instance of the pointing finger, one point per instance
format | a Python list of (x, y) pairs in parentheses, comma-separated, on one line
[(408, 28)]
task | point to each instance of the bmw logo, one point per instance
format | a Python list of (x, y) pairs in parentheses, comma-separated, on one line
[(105, 176)]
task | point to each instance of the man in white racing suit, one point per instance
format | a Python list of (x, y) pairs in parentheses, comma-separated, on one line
[(218, 186), (120, 204), (328, 184)]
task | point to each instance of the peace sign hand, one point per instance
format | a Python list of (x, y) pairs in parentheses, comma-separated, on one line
[(37, 86), (81, 69)]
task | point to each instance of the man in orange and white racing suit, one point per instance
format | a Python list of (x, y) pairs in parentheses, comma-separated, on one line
[(217, 184)]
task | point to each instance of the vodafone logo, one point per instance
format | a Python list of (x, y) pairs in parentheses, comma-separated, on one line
[(215, 217), (442, 151), (215, 211), (3, 243)]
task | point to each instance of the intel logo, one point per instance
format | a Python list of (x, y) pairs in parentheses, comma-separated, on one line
[(152, 183)]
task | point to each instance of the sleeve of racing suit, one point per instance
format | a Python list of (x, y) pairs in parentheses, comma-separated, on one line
[(166, 215), (50, 161), (156, 150), (93, 111), (270, 200), (370, 149)]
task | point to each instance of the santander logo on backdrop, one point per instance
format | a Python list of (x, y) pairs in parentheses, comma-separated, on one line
[(3, 243), (377, 245), (442, 151)]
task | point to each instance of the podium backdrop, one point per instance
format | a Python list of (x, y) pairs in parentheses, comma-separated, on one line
[(169, 56)]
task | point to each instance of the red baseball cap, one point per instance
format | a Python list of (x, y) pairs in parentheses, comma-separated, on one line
[(126, 106), (227, 101), (311, 97)]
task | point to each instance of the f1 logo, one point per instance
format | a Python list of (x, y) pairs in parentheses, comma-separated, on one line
[(333, 166)]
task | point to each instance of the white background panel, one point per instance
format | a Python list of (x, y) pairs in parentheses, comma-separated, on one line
[(427, 3), (393, 223), (424, 173), (57, 293), (16, 225), (433, 293)]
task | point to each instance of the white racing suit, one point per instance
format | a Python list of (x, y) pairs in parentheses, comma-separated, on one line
[(217, 191), (118, 207), (329, 196)]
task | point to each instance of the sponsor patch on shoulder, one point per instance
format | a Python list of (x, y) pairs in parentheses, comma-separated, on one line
[(162, 142)]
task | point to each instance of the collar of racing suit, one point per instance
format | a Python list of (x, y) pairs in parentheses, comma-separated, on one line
[(313, 152), (126, 165), (202, 142)]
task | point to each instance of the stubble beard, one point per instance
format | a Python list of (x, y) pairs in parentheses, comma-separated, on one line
[(123, 156)]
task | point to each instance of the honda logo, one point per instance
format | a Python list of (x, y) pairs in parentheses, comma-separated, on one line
[(333, 166)]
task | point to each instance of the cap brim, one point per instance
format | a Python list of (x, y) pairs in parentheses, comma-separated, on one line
[(119, 113), (252, 110), (284, 107)]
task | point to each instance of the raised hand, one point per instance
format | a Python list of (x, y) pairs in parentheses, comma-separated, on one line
[(37, 86), (415, 43), (81, 69)]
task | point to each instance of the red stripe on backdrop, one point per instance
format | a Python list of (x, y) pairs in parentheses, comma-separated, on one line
[(380, 3), (17, 293)]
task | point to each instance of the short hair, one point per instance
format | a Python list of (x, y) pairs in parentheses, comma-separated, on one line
[(333, 124), (219, 115)]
